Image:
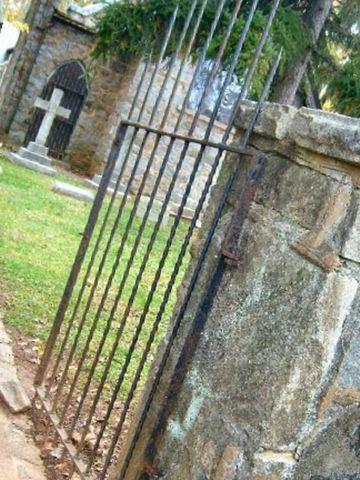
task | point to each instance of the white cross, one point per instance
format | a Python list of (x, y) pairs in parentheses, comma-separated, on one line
[(53, 110)]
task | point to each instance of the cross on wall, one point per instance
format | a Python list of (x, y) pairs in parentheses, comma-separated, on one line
[(52, 110)]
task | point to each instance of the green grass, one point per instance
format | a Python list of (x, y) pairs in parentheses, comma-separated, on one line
[(39, 235)]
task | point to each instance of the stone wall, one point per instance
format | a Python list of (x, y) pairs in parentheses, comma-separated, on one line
[(188, 123), (20, 66), (273, 389), (56, 38)]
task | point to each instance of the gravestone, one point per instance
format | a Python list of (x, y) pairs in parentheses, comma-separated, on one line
[(72, 191), (35, 155)]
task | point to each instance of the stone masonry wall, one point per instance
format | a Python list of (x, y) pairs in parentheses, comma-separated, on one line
[(21, 63), (273, 389), (175, 104)]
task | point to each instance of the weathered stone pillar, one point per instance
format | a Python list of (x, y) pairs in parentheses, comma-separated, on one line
[(22, 61), (273, 389)]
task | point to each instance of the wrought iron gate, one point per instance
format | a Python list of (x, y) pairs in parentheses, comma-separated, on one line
[(70, 78), (121, 291)]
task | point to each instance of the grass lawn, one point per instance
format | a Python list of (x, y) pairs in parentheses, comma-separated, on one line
[(39, 235)]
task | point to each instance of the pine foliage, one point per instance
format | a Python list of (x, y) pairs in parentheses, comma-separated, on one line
[(133, 29)]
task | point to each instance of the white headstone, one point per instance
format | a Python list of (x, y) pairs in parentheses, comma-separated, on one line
[(53, 110)]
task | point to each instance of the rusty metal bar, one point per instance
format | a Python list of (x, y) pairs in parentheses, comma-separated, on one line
[(67, 401), (186, 138), (128, 225), (87, 235)]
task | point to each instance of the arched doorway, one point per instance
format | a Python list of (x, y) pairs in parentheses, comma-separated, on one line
[(71, 78)]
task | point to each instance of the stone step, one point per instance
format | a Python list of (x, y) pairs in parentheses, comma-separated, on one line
[(36, 148), (36, 167), (34, 157)]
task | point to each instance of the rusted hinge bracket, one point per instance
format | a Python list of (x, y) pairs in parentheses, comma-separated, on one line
[(230, 249)]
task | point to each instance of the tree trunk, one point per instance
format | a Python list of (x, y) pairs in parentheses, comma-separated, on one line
[(286, 87)]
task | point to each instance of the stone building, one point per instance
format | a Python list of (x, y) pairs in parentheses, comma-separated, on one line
[(56, 52)]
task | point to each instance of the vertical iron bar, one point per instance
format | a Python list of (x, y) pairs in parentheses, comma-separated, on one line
[(217, 64), (158, 64), (260, 47), (132, 215), (173, 59), (204, 52), (162, 307), (250, 74), (120, 291), (141, 230), (183, 62), (139, 235)]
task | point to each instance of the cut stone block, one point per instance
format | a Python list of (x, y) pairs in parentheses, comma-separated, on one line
[(74, 192), (37, 148), (4, 337), (12, 392), (14, 396), (36, 167)]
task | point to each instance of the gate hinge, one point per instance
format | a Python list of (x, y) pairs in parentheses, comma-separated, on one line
[(230, 249)]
